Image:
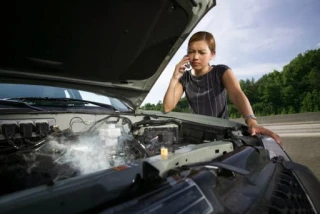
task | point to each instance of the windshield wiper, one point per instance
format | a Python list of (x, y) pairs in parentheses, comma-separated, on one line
[(19, 104), (67, 100)]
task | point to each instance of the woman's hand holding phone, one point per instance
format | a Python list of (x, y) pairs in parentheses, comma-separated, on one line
[(180, 68)]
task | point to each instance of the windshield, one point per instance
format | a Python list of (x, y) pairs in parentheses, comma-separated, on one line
[(12, 91)]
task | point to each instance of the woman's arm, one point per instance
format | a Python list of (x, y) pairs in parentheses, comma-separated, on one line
[(175, 89), (240, 100), (173, 95)]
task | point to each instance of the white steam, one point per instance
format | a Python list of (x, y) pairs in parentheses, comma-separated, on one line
[(86, 155)]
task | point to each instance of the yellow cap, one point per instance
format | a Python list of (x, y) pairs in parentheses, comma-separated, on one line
[(164, 151)]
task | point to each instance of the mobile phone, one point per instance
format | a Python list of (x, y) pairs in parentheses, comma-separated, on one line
[(188, 66)]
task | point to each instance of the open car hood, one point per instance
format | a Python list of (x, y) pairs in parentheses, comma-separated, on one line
[(115, 48)]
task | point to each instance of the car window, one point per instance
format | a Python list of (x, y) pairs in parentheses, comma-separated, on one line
[(24, 90), (94, 97)]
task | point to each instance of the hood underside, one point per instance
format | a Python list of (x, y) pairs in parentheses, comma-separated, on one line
[(100, 46)]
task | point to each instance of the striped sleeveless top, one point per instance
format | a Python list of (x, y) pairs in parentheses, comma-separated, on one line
[(206, 94)]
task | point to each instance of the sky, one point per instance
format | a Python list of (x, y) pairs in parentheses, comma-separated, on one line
[(253, 37)]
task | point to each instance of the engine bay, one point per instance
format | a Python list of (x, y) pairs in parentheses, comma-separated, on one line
[(66, 159), (43, 149)]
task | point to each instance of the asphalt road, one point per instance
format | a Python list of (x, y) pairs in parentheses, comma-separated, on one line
[(301, 142), (304, 150)]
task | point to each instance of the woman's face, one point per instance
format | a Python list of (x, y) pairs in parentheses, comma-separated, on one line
[(199, 55)]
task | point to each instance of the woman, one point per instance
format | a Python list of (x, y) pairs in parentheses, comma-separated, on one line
[(206, 86)]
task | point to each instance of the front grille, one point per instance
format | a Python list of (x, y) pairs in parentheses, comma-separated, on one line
[(288, 196)]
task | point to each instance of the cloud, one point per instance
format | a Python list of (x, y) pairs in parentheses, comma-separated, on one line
[(159, 89), (257, 70), (242, 34), (318, 45), (255, 40)]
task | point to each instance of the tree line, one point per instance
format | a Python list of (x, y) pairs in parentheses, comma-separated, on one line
[(295, 89)]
